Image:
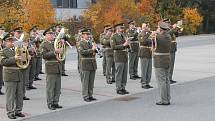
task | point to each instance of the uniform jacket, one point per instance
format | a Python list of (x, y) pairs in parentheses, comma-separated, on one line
[(108, 49), (134, 45), (120, 51), (52, 65), (163, 46), (10, 69), (87, 56), (145, 45)]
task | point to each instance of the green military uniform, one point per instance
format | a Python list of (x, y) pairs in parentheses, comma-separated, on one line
[(173, 49), (162, 64), (32, 65), (145, 55), (38, 59), (88, 67), (53, 70), (133, 52), (110, 67), (121, 60), (14, 83), (104, 63)]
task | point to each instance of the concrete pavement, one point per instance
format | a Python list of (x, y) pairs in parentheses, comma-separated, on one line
[(194, 61)]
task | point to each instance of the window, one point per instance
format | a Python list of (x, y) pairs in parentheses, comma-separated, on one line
[(59, 3), (65, 3), (73, 3)]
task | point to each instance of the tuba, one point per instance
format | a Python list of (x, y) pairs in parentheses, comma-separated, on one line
[(58, 43), (22, 50)]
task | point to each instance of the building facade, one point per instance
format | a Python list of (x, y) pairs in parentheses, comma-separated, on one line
[(65, 9)]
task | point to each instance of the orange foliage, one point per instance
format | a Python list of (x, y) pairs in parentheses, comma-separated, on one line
[(111, 12), (147, 9), (30, 12), (192, 19)]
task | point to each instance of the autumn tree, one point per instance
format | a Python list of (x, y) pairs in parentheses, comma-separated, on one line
[(192, 20), (111, 12), (27, 13), (148, 12)]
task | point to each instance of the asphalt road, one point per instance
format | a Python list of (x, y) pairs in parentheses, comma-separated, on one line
[(191, 101)]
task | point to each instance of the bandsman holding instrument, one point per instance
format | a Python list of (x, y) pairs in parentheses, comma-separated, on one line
[(53, 68), (104, 63), (88, 66), (120, 44), (58, 28), (145, 54), (110, 65), (133, 50), (32, 51), (162, 62), (13, 84), (173, 50)]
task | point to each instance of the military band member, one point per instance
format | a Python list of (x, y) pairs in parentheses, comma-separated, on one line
[(173, 49), (145, 54), (13, 84), (32, 64), (2, 31), (133, 50), (119, 44), (162, 63), (104, 63), (58, 27), (53, 70), (110, 67), (88, 65)]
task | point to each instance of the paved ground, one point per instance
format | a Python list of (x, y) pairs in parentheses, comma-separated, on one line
[(191, 102), (194, 62)]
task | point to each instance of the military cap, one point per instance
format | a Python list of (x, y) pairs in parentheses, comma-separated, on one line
[(131, 22), (107, 25), (85, 31), (119, 24), (109, 28), (33, 28), (164, 25), (8, 36), (2, 27), (18, 29), (58, 25), (48, 31), (166, 20)]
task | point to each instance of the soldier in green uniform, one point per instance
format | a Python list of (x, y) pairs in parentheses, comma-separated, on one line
[(119, 44), (173, 49), (104, 63), (88, 65), (53, 70), (58, 27), (145, 55), (13, 84), (133, 50), (2, 31), (162, 63), (110, 67), (32, 64)]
